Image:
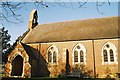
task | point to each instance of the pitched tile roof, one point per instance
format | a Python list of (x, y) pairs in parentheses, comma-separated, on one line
[(98, 28)]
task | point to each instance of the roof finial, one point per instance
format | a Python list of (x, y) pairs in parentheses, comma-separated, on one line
[(33, 19)]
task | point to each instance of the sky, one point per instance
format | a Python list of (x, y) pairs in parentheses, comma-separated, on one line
[(56, 13)]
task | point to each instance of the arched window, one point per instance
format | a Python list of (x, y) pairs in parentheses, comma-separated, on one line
[(54, 56), (105, 55), (52, 53), (76, 56), (79, 54), (49, 56), (109, 53)]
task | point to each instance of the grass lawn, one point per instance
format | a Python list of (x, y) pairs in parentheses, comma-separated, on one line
[(0, 75)]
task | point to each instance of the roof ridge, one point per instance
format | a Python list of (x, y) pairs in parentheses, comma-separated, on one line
[(85, 19)]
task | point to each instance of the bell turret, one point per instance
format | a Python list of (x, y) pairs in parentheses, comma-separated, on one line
[(33, 19)]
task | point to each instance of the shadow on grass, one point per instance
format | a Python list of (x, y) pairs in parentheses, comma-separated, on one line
[(47, 78)]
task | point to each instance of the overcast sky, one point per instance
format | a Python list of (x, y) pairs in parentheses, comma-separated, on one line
[(56, 13)]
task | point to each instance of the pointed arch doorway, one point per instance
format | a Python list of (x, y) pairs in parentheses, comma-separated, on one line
[(17, 66)]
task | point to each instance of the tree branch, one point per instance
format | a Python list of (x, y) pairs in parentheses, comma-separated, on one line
[(10, 9), (81, 5)]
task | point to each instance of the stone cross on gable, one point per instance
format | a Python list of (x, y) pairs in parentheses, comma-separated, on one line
[(33, 19)]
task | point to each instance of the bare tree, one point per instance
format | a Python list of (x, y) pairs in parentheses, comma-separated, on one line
[(9, 9)]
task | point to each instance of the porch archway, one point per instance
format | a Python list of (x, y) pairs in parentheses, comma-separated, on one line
[(17, 66)]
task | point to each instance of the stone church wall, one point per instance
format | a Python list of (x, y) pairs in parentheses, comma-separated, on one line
[(102, 70), (56, 69), (39, 65)]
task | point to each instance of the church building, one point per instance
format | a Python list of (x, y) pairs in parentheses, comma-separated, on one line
[(79, 48)]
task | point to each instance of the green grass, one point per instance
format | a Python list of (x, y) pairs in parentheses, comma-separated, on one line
[(0, 75), (1, 70)]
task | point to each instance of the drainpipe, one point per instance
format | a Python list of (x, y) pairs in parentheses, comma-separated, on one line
[(94, 59)]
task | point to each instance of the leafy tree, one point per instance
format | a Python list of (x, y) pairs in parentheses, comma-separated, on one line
[(4, 43)]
